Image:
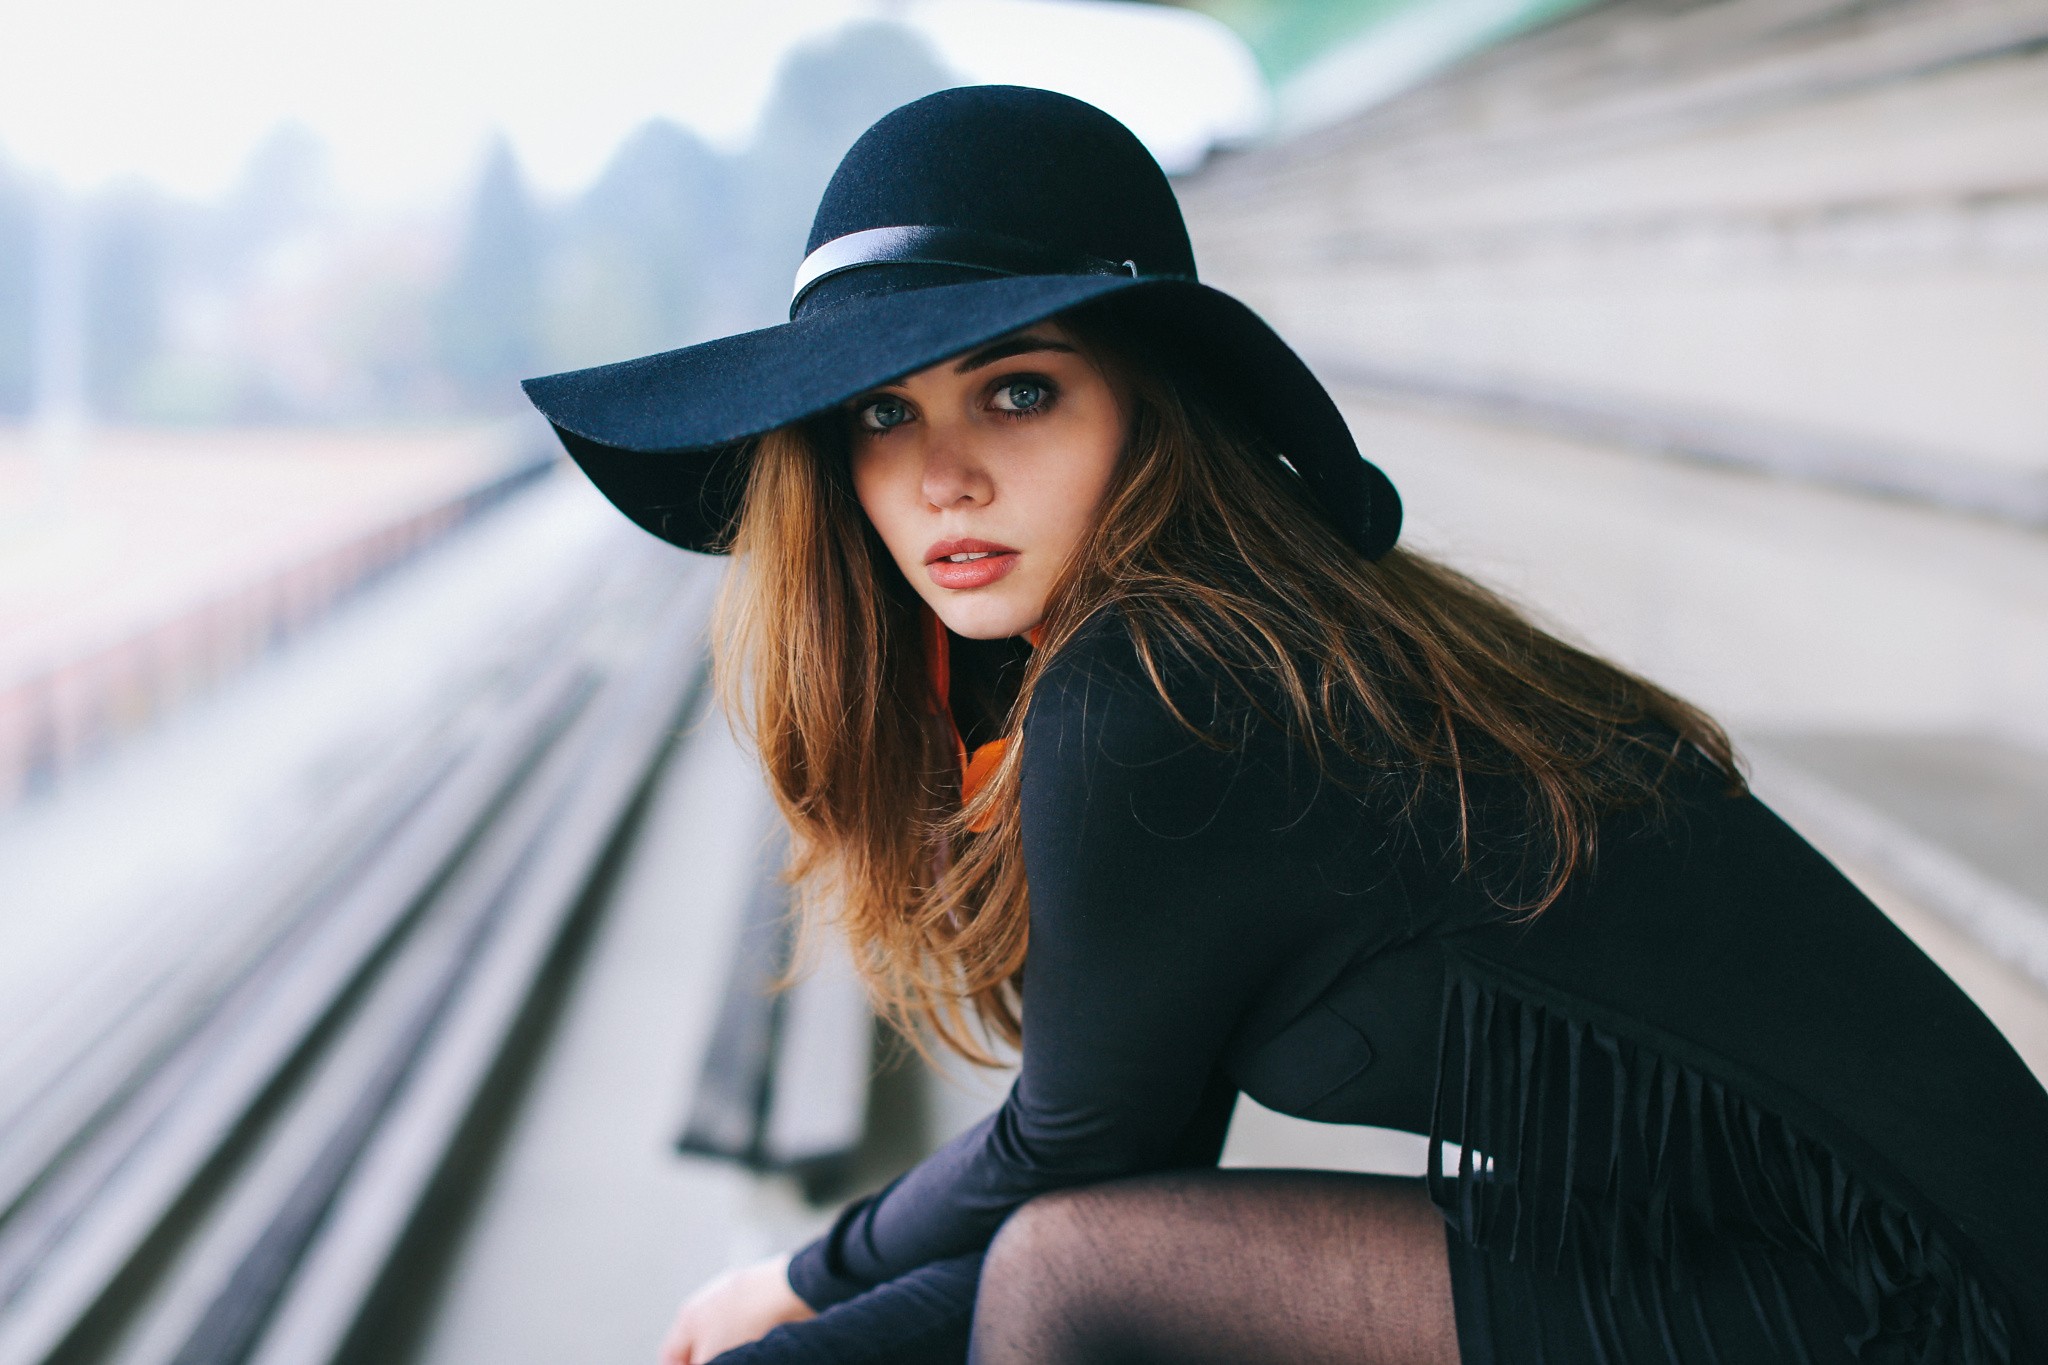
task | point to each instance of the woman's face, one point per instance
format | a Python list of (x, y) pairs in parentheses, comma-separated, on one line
[(982, 473)]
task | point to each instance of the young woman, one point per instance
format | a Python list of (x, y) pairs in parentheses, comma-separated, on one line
[(1108, 719)]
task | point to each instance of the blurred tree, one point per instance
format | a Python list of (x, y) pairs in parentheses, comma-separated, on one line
[(127, 262), (17, 293), (675, 243), (231, 345), (639, 254), (488, 318), (826, 94), (267, 304), (284, 187)]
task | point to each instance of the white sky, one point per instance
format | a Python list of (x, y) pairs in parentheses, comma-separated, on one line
[(405, 92)]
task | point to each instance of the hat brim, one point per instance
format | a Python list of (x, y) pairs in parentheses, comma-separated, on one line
[(665, 436)]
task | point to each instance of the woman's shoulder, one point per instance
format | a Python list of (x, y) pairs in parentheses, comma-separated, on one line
[(1124, 693), (1100, 652), (1162, 735)]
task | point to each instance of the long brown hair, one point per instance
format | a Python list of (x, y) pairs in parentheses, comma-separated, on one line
[(1210, 549)]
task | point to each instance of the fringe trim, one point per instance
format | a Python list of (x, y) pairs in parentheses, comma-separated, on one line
[(1585, 1152)]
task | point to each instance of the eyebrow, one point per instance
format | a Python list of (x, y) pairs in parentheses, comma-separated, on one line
[(1003, 350)]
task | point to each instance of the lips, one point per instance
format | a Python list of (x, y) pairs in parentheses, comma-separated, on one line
[(963, 564)]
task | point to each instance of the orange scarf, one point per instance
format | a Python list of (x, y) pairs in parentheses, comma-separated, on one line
[(977, 767)]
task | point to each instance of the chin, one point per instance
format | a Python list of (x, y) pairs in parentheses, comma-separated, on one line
[(987, 619)]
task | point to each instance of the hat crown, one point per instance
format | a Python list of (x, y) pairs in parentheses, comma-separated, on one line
[(1016, 162)]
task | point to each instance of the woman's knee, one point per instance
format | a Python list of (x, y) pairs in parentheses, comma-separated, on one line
[(1075, 1235), (1042, 1281), (1052, 1230), (1060, 1249)]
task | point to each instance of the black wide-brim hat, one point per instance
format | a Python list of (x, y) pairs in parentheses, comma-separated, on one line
[(954, 220)]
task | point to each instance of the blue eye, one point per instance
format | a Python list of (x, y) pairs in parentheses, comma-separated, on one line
[(1020, 395), (883, 413)]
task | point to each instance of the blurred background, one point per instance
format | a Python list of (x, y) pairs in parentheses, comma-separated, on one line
[(387, 917)]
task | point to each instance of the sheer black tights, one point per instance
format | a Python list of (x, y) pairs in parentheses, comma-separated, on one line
[(1289, 1267), (1189, 1268)]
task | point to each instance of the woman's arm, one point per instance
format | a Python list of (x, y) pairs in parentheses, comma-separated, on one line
[(1161, 873)]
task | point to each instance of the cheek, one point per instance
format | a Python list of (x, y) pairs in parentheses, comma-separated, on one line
[(881, 486), (1098, 453), (1090, 464), (1103, 458)]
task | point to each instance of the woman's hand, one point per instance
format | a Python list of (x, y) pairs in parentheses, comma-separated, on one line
[(734, 1309)]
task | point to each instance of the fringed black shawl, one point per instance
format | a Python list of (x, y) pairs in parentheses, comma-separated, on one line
[(1723, 1038)]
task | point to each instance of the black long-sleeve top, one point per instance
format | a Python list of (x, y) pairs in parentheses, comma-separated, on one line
[(1232, 914)]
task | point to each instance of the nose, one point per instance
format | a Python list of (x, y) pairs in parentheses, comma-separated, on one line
[(954, 476)]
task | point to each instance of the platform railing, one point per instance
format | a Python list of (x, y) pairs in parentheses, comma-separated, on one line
[(66, 711)]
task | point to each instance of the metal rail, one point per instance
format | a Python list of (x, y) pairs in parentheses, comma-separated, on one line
[(783, 1083)]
